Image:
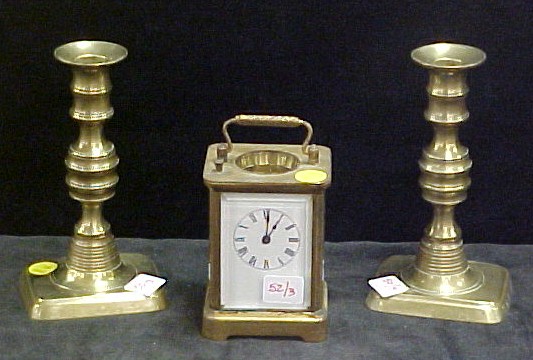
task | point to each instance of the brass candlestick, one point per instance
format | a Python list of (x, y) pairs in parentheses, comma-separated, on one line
[(443, 284), (90, 282)]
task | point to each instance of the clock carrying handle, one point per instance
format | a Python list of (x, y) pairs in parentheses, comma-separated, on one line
[(271, 121)]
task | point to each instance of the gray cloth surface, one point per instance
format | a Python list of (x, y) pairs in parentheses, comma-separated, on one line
[(354, 331)]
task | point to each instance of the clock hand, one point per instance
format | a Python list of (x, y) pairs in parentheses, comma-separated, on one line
[(266, 215), (266, 238), (275, 225)]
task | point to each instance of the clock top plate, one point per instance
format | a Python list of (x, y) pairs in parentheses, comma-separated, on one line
[(279, 167)]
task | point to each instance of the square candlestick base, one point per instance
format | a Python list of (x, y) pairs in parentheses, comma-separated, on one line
[(45, 300), (310, 326), (487, 304)]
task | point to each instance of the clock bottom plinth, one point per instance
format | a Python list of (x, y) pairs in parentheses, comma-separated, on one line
[(310, 326), (45, 300), (487, 304)]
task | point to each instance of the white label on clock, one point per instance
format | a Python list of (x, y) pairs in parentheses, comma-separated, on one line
[(283, 289)]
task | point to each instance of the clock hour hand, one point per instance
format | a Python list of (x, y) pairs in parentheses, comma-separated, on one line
[(275, 225)]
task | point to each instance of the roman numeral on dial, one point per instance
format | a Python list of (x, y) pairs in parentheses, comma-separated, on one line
[(242, 251), (252, 260), (290, 252)]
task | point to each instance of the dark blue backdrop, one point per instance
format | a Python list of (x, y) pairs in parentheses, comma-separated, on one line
[(342, 65)]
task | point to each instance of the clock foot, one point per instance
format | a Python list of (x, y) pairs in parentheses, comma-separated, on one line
[(45, 299), (486, 304), (310, 326)]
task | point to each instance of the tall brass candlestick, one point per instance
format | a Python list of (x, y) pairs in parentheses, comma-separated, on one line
[(443, 284), (90, 282)]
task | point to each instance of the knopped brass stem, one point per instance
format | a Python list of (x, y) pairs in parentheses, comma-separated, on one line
[(91, 169), (441, 266), (91, 164)]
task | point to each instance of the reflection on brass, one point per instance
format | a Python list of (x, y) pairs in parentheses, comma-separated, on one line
[(266, 168), (90, 281), (443, 284)]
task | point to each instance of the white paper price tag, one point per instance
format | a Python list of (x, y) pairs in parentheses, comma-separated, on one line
[(388, 286), (283, 289), (145, 284)]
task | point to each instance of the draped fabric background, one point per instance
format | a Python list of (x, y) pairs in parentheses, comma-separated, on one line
[(342, 65)]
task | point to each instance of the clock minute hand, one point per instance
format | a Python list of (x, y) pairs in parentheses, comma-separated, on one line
[(266, 215), (266, 238)]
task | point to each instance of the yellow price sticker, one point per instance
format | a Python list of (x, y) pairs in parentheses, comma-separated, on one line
[(42, 268), (311, 176)]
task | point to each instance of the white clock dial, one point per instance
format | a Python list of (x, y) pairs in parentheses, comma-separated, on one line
[(266, 239), (265, 242)]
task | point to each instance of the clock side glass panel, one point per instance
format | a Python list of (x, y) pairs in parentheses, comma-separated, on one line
[(264, 235)]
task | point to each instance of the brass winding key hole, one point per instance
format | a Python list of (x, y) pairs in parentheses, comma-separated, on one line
[(267, 162)]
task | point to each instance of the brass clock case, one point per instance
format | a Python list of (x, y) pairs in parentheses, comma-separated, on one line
[(277, 169)]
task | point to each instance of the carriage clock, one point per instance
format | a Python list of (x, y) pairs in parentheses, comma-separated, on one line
[(266, 207)]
